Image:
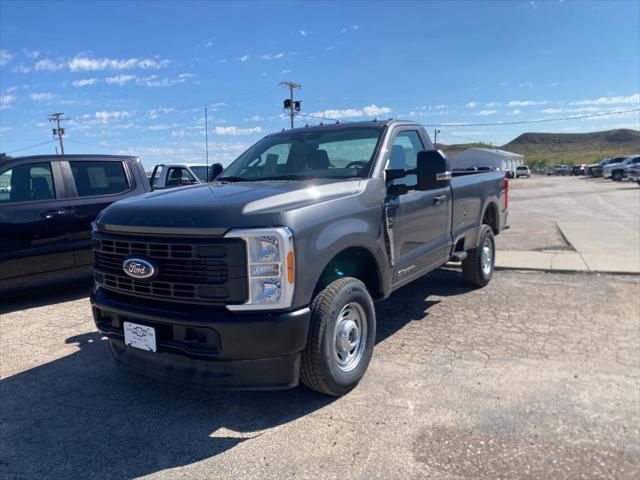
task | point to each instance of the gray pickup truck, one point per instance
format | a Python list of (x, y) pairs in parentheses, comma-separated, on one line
[(269, 274)]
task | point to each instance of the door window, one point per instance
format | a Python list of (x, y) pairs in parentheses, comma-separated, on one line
[(178, 176), (99, 178), (404, 154), (27, 183)]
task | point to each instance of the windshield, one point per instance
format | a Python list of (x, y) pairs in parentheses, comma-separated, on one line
[(201, 173), (333, 153)]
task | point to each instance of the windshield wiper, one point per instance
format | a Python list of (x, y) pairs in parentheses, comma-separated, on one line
[(233, 179), (288, 177)]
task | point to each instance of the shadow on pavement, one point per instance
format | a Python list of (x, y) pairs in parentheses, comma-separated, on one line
[(46, 294), (81, 416)]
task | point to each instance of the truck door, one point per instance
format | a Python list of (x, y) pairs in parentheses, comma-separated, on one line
[(93, 185), (34, 221), (418, 223)]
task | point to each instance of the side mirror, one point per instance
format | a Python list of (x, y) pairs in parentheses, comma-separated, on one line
[(432, 170), (214, 171)]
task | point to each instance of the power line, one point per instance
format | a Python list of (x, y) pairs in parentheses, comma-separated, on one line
[(31, 146), (524, 122), (521, 122)]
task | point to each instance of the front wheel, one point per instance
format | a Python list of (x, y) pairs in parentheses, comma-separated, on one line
[(617, 176), (341, 338), (477, 268)]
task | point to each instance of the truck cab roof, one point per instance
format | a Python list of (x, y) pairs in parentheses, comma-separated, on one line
[(340, 125)]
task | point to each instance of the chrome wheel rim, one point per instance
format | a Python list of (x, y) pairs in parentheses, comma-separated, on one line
[(486, 257), (350, 336)]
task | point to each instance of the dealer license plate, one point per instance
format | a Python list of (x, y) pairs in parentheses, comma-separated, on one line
[(140, 336)]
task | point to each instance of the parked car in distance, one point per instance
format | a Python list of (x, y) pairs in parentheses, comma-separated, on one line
[(561, 170), (633, 173), (181, 174), (595, 169), (523, 171), (617, 170), (579, 169), (268, 275), (47, 204)]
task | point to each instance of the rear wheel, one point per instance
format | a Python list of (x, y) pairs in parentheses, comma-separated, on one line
[(617, 176), (477, 268), (341, 339)]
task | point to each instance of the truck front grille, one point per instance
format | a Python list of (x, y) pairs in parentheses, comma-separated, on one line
[(209, 271)]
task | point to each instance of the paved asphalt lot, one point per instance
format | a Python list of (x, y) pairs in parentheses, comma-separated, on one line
[(535, 376)]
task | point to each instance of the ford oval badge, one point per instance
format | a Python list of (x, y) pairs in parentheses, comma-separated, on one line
[(138, 268)]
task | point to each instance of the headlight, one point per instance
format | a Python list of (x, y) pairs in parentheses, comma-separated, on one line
[(270, 267)]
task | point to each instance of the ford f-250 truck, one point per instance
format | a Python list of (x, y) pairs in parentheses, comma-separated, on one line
[(269, 274)]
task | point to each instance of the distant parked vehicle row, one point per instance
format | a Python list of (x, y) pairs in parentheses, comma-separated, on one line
[(561, 170)]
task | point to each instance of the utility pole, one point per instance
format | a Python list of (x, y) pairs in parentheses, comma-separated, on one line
[(290, 104), (435, 138), (59, 131), (206, 138)]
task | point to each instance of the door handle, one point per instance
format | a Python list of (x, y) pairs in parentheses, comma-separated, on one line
[(49, 214), (438, 199)]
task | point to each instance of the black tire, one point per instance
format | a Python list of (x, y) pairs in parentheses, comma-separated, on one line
[(320, 369), (472, 266), (617, 176)]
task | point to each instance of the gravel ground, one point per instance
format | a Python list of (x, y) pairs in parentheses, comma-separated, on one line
[(535, 376)]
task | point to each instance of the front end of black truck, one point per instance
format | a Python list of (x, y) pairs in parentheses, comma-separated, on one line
[(210, 311)]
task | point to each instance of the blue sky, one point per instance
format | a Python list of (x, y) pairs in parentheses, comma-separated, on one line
[(135, 77)]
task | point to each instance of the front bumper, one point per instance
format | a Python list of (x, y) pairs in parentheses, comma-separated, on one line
[(212, 348)]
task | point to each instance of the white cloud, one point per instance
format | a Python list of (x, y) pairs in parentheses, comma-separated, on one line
[(285, 71), (32, 54), (21, 69), (368, 111), (493, 104), (503, 84), (84, 82), (351, 27), (156, 112), (551, 110), (486, 113), (47, 64), (631, 99), (272, 56), (82, 63), (41, 97), (236, 130), (514, 112), (155, 81), (303, 32), (471, 104), (526, 84), (526, 103), (6, 100), (244, 58), (330, 47), (119, 79), (105, 116), (5, 57)]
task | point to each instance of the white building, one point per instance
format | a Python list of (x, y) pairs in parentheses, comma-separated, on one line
[(486, 157)]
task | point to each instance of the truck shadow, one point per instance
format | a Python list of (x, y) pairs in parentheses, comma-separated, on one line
[(82, 416), (50, 293)]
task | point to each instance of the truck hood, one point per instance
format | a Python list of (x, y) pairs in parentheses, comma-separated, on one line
[(221, 206)]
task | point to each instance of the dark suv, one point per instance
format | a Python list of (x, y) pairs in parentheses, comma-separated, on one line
[(47, 204)]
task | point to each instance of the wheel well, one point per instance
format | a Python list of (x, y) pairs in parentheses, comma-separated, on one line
[(491, 218), (356, 262)]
